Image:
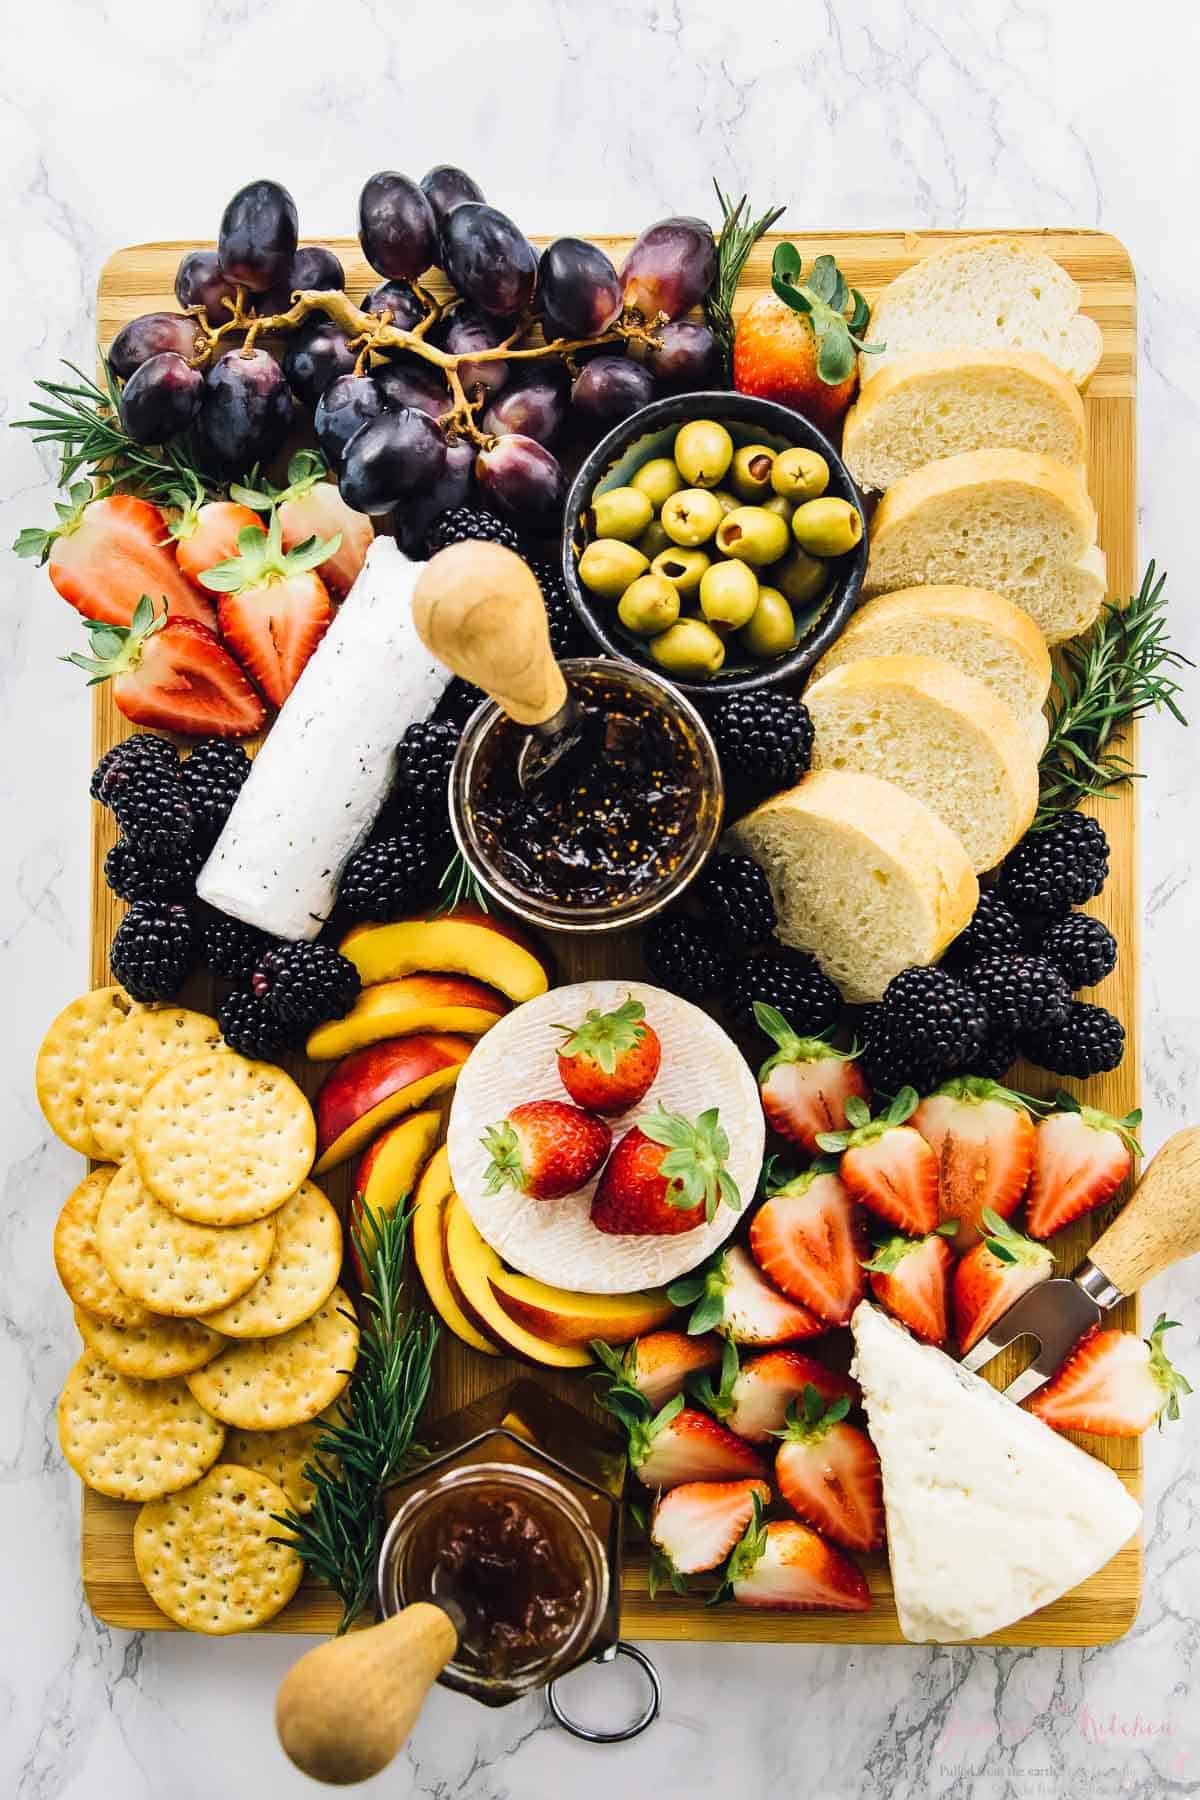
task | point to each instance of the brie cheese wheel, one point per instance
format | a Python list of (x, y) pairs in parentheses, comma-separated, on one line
[(555, 1240), (325, 768), (990, 1514)]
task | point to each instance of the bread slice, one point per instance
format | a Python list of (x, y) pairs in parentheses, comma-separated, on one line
[(943, 737), (1019, 524), (932, 403), (864, 877), (990, 293)]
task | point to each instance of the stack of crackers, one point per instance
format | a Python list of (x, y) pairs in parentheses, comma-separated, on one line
[(203, 1266)]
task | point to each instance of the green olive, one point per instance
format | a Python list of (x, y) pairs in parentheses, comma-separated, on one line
[(750, 477), (729, 502), (682, 568), (827, 527), (658, 479), (753, 535), (648, 606), (799, 577), (703, 450), (689, 648), (800, 474), (783, 509), (772, 628), (622, 512), (608, 566), (653, 539), (691, 517), (729, 594)]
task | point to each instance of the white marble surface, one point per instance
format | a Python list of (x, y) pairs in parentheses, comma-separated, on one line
[(133, 120)]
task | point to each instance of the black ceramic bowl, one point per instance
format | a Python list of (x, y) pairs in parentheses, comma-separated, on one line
[(650, 433)]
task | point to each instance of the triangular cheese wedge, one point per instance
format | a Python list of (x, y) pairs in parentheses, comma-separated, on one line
[(990, 1514)]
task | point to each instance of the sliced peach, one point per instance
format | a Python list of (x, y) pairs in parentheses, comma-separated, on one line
[(473, 1265), (434, 1193), (465, 942), (562, 1317), (411, 1004), (388, 1171), (368, 1090)]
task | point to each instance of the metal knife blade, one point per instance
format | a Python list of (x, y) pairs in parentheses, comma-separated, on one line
[(1055, 1314)]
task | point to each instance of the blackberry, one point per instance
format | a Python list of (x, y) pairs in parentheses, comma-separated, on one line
[(306, 983), (890, 1060), (228, 947), (1089, 1041), (792, 984), (566, 634), (1051, 871), (251, 1027), (764, 741), (992, 930), (132, 875), (1083, 948), (423, 764), (686, 956), (147, 800), (1021, 993), (153, 949), (994, 1057), (931, 1025), (458, 703), (148, 745), (388, 878), (212, 778), (736, 897), (464, 524)]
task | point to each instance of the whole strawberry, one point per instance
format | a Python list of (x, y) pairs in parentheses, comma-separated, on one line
[(798, 344), (666, 1175), (545, 1149), (608, 1063)]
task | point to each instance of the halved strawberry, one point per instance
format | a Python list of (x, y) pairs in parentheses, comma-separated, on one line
[(545, 1149), (908, 1277), (733, 1298), (1080, 1158), (173, 675), (753, 1398), (806, 1084), (1002, 1266), (887, 1165), (786, 1566), (680, 1443), (274, 609), (695, 1526), (807, 1239), (982, 1136), (206, 532), (657, 1366), (105, 554), (666, 1175), (1114, 1383), (828, 1472), (609, 1061), (310, 506)]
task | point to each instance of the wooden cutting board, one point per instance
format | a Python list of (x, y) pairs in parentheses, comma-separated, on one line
[(139, 280)]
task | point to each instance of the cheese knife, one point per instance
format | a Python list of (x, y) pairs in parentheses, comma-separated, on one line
[(1159, 1226)]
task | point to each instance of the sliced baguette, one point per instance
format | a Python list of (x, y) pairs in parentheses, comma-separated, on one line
[(932, 403), (989, 293), (943, 737), (1019, 524), (864, 877)]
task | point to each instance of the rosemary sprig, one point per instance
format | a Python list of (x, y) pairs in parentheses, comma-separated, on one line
[(1119, 671), (458, 886), (739, 234), (372, 1439)]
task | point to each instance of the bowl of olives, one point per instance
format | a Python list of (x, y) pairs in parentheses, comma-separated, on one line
[(716, 538)]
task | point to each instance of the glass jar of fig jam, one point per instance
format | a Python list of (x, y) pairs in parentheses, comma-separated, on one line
[(616, 829)]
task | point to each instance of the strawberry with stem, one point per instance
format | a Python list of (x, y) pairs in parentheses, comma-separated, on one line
[(106, 552), (274, 608), (1080, 1158), (666, 1175), (679, 1443), (983, 1138), (657, 1366), (729, 1295), (807, 1239), (171, 674), (798, 345), (752, 1398), (828, 1472), (1000, 1268), (1114, 1383), (544, 1149), (694, 1527), (206, 532), (909, 1278), (786, 1566), (806, 1084), (311, 506), (887, 1165), (608, 1062)]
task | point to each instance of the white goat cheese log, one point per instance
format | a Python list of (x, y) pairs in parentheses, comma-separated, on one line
[(324, 770)]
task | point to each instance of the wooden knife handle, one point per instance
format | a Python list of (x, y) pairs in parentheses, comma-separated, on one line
[(1161, 1224), (344, 1710), (478, 609)]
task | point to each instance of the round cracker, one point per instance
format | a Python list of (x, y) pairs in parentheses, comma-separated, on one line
[(155, 1352), (283, 1455), (210, 1557), (77, 1257), (61, 1075), (125, 1062), (221, 1140), (301, 1275), (266, 1383), (133, 1440), (171, 1265)]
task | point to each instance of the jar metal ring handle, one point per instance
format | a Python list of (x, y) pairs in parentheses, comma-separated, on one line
[(635, 1728)]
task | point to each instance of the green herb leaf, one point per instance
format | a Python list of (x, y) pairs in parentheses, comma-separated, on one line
[(835, 354), (739, 234)]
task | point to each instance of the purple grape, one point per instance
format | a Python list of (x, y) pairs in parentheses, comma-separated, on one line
[(489, 261), (397, 300), (410, 382), (200, 281), (348, 403), (312, 267), (533, 404), (161, 398), (609, 389), (521, 479), (446, 187), (257, 240), (247, 411), (397, 454), (686, 358), (396, 226), (468, 330), (670, 268), (149, 336), (452, 488), (578, 289), (316, 355)]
